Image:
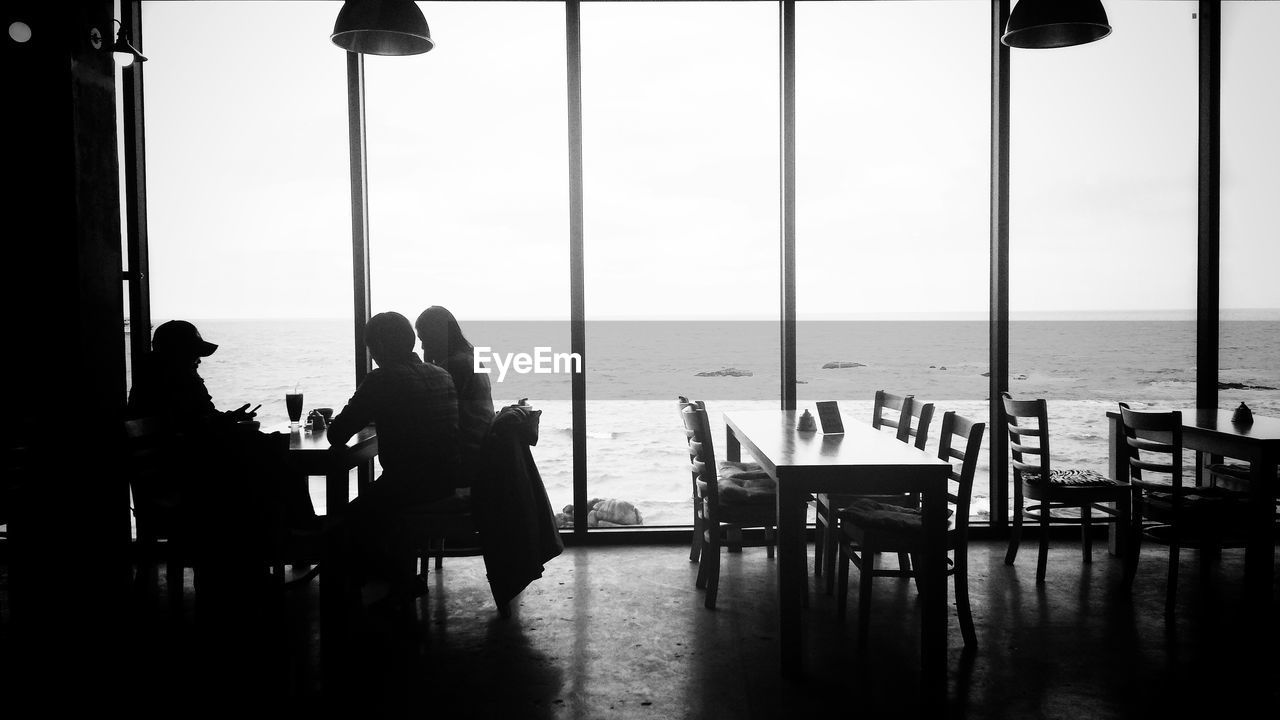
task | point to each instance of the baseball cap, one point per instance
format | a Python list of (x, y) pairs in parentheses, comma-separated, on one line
[(181, 336)]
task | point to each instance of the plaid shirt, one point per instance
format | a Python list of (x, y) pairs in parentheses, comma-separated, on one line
[(415, 409)]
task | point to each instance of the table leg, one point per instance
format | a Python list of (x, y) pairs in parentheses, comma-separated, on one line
[(1118, 467), (732, 446), (1260, 554), (933, 634), (333, 582), (791, 575)]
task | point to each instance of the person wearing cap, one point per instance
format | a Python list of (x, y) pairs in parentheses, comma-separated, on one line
[(167, 384), (219, 473)]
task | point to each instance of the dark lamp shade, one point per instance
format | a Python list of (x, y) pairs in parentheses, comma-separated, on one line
[(124, 51), (1055, 23), (382, 27)]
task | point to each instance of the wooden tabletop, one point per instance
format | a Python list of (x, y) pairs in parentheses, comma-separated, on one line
[(772, 438), (303, 440), (1264, 429)]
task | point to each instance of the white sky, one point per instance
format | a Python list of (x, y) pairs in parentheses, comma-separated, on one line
[(248, 195)]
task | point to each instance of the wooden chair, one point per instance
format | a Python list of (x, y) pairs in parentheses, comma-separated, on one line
[(423, 532), (149, 464), (161, 476), (1053, 489), (1168, 511), (868, 527), (734, 540), (910, 422), (731, 500)]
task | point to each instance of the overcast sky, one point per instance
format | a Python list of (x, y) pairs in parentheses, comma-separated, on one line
[(248, 177)]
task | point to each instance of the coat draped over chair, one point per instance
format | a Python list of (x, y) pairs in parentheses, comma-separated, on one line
[(513, 514)]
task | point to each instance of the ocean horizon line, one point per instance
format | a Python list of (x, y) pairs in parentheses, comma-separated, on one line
[(1173, 315)]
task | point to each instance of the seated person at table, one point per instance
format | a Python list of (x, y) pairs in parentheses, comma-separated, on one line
[(444, 345), (415, 408), (167, 383), (221, 472)]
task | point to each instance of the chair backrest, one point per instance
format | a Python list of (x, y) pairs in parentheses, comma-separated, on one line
[(702, 457), (911, 419), (1153, 444), (683, 402), (1028, 424), (960, 439), (893, 411), (918, 426), (146, 446)]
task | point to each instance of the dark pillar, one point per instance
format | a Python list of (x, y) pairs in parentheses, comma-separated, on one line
[(65, 500)]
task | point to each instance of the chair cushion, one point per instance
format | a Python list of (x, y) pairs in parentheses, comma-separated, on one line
[(1239, 471), (1203, 499), (1073, 477), (729, 468), (872, 514), (746, 489)]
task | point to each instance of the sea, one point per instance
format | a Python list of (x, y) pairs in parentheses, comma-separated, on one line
[(635, 370)]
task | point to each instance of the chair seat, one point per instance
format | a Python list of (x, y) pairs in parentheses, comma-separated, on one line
[(1194, 535), (1072, 477), (1201, 500), (1237, 471), (874, 515), (752, 515), (744, 484), (449, 516), (731, 468)]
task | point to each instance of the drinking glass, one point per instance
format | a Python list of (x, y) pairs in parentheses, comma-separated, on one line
[(293, 403)]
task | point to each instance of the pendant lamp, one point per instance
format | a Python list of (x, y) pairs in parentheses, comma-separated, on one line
[(123, 50), (1055, 23), (382, 27)]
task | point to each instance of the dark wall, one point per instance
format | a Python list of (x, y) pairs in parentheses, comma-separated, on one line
[(65, 500)]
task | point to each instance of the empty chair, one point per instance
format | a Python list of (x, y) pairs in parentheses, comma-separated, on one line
[(868, 527), (741, 470), (1165, 509), (732, 500), (910, 420), (1054, 489)]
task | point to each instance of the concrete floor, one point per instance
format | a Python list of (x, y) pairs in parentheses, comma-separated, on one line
[(620, 632)]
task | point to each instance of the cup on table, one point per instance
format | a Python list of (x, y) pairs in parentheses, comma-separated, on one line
[(293, 404)]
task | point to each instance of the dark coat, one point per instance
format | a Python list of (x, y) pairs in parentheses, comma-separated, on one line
[(512, 512)]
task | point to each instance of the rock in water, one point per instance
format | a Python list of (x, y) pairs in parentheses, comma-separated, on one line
[(725, 372), (608, 512)]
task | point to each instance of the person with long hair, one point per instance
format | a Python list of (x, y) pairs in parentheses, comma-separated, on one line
[(444, 345)]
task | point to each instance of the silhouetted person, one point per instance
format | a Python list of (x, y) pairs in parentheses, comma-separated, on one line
[(443, 344), (415, 408), (228, 492), (167, 383)]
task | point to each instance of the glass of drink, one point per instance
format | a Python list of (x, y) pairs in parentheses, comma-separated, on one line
[(293, 403)]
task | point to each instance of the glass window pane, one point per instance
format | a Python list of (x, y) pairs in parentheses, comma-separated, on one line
[(468, 197), (1249, 340), (1103, 224), (247, 197), (680, 125), (892, 204)]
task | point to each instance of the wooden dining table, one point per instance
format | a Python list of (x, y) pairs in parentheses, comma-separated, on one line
[(1210, 432), (311, 453), (860, 460)]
